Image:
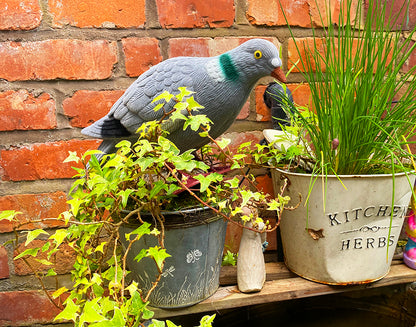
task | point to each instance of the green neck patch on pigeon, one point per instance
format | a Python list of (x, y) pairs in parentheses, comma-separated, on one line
[(228, 68)]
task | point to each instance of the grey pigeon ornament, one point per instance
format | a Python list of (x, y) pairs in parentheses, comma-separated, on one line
[(221, 84)]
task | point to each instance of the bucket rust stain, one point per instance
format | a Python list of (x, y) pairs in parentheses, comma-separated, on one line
[(316, 234)]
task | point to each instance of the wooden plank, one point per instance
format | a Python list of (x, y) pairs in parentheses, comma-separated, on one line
[(274, 270), (283, 289)]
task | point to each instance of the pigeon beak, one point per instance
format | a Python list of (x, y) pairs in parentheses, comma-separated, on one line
[(279, 75)]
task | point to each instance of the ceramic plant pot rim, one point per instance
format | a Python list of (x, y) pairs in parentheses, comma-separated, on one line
[(287, 172), (179, 218)]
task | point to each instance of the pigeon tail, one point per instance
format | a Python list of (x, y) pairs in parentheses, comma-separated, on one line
[(106, 127)]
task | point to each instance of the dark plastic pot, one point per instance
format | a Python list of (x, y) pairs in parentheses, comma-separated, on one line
[(195, 240)]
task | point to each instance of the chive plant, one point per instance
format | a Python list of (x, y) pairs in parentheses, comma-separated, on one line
[(361, 116)]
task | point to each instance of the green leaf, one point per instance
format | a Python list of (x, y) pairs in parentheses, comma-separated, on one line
[(51, 272), (147, 314), (107, 305), (110, 274), (34, 234), (32, 252), (179, 107), (44, 262), (274, 205), (223, 143), (158, 254), (70, 311), (207, 180), (91, 153), (123, 143), (158, 106), (171, 324), (138, 306), (157, 187), (230, 259), (166, 96), (59, 292), (144, 163), (143, 229), (66, 215), (100, 247), (59, 236), (46, 246), (125, 196), (140, 255), (73, 157), (195, 122), (183, 92), (157, 323), (233, 183), (246, 197), (117, 320), (8, 215), (90, 312), (75, 204), (207, 321), (177, 115), (192, 104)]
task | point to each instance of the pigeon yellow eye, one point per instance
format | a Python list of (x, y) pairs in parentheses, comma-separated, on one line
[(257, 54)]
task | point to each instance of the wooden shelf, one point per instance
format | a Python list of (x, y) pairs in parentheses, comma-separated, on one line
[(281, 285)]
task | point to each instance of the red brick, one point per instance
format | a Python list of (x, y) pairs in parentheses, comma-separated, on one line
[(140, 54), (63, 260), (191, 47), (26, 308), (21, 110), (245, 111), (265, 184), (232, 238), (304, 45), (308, 45), (207, 47), (301, 94), (404, 13), (269, 12), (263, 112), (92, 13), (298, 13), (4, 265), (238, 138), (20, 15), (220, 45), (52, 59), (86, 107), (32, 207), (195, 13), (318, 10), (42, 161)]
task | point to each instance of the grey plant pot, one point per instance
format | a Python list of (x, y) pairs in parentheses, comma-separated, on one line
[(195, 240)]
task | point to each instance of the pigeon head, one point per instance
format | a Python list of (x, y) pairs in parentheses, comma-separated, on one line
[(252, 60)]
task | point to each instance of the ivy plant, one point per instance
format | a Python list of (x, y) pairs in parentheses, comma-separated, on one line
[(144, 176)]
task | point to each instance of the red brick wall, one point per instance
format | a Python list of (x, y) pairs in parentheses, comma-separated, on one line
[(64, 63)]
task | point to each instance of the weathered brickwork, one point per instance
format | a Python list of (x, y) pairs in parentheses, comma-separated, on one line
[(63, 63)]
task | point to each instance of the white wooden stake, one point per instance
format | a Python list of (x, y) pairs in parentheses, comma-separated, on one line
[(251, 270)]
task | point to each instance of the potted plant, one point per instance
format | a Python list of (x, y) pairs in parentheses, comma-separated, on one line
[(347, 153), (118, 222)]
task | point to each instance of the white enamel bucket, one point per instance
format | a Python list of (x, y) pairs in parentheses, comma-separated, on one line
[(352, 237)]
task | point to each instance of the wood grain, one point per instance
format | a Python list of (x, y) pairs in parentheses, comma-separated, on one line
[(281, 285)]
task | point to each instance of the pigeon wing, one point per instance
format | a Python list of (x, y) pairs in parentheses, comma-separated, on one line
[(136, 106)]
